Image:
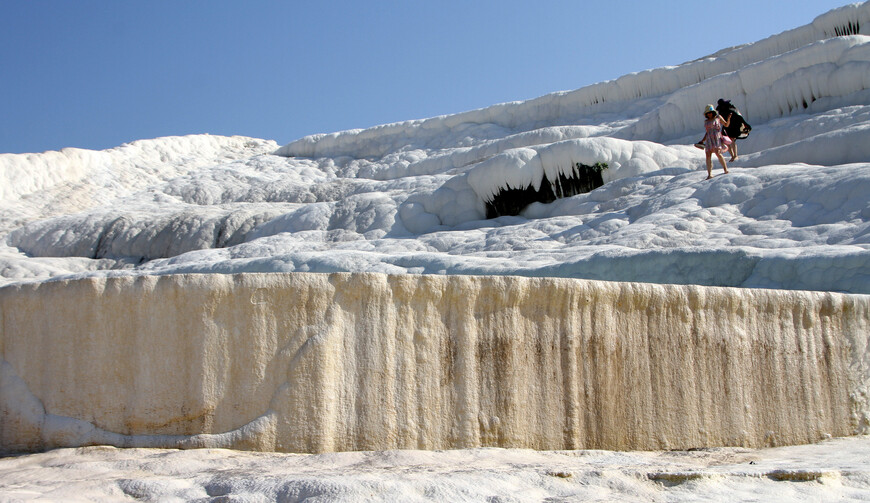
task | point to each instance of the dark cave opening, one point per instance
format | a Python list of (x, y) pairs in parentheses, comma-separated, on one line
[(582, 178)]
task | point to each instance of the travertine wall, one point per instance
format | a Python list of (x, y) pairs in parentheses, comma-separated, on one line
[(317, 362)]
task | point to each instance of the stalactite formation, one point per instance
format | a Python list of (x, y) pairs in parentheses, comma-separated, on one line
[(581, 179), (337, 362)]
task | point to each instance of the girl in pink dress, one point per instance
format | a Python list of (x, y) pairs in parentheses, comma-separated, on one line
[(714, 141)]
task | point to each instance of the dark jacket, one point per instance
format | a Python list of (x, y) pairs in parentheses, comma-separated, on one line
[(738, 128)]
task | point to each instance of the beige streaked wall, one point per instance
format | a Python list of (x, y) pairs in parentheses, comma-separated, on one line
[(330, 362)]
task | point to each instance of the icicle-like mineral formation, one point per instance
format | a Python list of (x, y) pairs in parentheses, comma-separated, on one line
[(335, 362)]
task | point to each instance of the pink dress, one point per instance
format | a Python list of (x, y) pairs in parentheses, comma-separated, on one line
[(713, 142)]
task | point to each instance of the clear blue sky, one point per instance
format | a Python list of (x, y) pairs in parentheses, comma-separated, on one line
[(95, 74)]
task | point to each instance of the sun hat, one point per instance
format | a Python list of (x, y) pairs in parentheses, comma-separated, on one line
[(709, 109)]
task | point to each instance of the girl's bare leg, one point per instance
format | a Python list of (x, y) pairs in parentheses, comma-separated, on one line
[(710, 165), (721, 160)]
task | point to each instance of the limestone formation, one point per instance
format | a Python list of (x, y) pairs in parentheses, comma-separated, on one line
[(334, 362)]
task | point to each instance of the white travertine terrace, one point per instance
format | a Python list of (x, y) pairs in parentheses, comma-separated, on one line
[(362, 361)]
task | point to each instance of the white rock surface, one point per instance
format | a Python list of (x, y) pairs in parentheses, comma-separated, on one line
[(833, 470)]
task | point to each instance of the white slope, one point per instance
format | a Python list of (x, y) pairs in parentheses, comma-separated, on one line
[(409, 197)]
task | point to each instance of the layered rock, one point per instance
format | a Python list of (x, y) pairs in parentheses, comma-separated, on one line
[(334, 362)]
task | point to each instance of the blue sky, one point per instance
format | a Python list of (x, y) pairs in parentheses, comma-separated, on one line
[(92, 74)]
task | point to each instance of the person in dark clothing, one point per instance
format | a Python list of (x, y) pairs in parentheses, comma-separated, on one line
[(737, 127)]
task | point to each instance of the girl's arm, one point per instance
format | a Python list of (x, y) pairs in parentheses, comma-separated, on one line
[(725, 122)]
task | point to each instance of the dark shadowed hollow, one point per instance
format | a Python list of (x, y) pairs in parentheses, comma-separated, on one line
[(583, 178)]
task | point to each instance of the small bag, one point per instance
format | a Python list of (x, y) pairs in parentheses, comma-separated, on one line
[(726, 140)]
